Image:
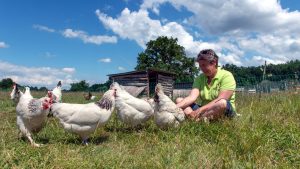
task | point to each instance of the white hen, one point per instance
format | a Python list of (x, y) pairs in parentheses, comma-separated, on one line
[(16, 93), (83, 119), (131, 110), (31, 113), (57, 96), (166, 113), (89, 96), (57, 93)]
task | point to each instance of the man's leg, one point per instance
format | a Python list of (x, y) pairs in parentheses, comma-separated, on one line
[(217, 111)]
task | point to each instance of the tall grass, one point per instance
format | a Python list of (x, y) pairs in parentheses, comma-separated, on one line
[(267, 135)]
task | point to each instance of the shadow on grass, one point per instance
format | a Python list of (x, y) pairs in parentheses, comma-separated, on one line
[(42, 140), (99, 140), (126, 129), (38, 140), (94, 140)]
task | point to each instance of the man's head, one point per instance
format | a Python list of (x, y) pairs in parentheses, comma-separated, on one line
[(208, 55), (208, 61)]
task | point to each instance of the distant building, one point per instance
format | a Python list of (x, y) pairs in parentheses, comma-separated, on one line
[(144, 82)]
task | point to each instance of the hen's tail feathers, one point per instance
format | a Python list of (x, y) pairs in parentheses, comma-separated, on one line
[(59, 84)]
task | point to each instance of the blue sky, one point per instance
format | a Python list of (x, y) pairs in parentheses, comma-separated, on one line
[(42, 42)]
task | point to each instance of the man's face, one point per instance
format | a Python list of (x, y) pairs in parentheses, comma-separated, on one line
[(208, 68)]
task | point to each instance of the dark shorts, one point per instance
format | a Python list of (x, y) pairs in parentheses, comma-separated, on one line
[(229, 112), (195, 106)]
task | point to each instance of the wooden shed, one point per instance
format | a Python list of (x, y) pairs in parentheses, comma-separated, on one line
[(144, 82)]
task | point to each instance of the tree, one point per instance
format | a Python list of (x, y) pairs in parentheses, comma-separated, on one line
[(165, 54), (100, 87), (254, 75), (43, 89), (81, 86), (6, 83), (33, 88)]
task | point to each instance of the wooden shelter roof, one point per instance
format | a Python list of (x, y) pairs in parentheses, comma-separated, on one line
[(149, 70)]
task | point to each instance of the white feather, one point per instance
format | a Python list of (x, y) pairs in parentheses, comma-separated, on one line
[(131, 110), (31, 115), (166, 113), (57, 93), (83, 119)]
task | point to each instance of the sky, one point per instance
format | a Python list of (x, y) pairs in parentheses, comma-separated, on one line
[(44, 41)]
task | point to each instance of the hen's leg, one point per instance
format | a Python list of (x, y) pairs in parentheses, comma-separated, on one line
[(84, 141), (20, 135), (26, 133), (176, 123)]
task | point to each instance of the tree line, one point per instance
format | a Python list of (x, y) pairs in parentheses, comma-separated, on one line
[(254, 75), (7, 83)]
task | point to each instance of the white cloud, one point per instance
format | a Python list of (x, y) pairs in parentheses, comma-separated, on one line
[(229, 58), (69, 70), (153, 5), (238, 36), (49, 55), (3, 45), (37, 76), (282, 48), (107, 7), (139, 27), (105, 60), (95, 39), (246, 15), (261, 60), (121, 68), (43, 28)]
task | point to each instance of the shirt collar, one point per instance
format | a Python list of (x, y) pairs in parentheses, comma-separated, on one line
[(217, 76)]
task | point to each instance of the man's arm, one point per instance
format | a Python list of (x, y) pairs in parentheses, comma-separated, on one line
[(187, 101)]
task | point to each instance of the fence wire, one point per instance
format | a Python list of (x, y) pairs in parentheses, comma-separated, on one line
[(271, 83)]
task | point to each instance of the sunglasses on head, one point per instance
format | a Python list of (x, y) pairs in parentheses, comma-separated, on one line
[(207, 52)]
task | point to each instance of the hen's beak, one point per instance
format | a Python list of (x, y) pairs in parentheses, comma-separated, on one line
[(49, 94), (115, 93)]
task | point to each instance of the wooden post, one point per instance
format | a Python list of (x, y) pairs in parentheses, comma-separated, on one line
[(264, 73), (148, 84)]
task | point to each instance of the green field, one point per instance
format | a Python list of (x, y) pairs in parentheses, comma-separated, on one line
[(267, 135)]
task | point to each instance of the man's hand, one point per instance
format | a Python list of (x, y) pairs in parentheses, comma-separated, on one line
[(194, 114)]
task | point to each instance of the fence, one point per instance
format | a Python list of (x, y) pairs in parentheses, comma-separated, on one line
[(251, 85)]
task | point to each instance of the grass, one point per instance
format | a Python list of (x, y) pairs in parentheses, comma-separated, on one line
[(267, 135)]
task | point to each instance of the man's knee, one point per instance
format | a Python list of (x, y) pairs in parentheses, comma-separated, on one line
[(187, 110), (226, 107), (179, 99), (222, 103)]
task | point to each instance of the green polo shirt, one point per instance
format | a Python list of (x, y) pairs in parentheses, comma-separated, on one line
[(223, 80)]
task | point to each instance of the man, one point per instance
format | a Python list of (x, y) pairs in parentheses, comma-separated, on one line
[(215, 89)]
